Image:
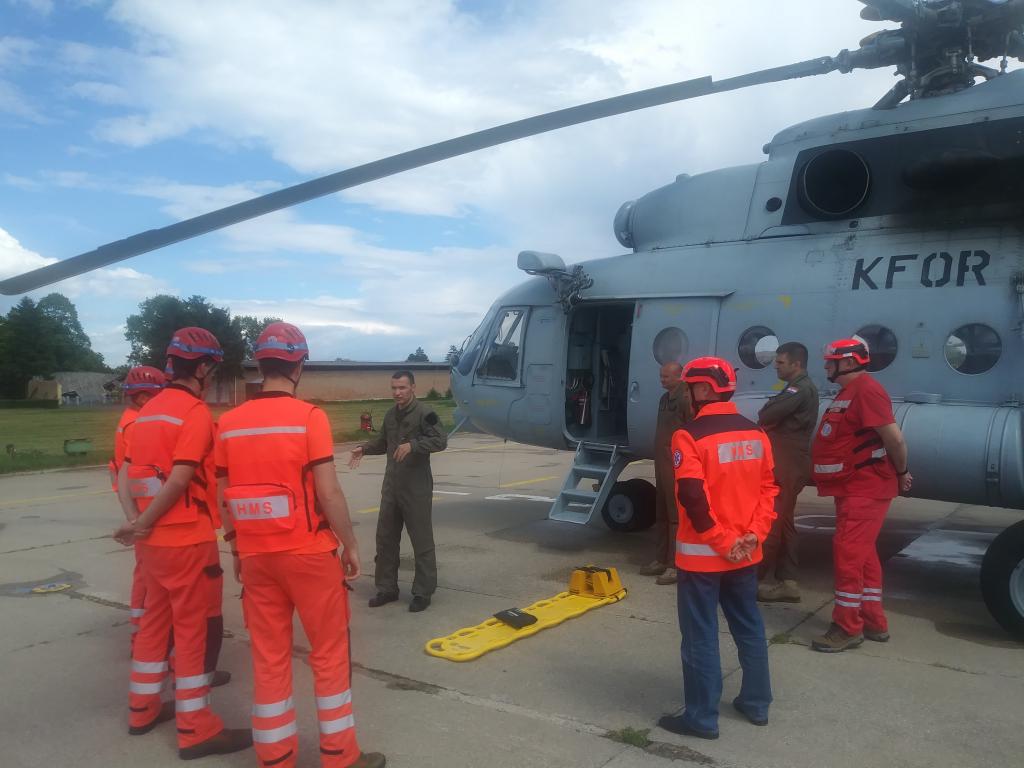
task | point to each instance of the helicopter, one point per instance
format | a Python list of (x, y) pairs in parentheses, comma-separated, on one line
[(900, 223)]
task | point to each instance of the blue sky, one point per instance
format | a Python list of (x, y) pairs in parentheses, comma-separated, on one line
[(119, 116)]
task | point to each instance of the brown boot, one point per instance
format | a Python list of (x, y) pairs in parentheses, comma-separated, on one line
[(227, 741), (668, 577), (787, 591), (876, 635), (370, 760), (836, 640), (653, 568)]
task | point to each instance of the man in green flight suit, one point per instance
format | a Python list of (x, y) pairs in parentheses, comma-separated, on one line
[(674, 410), (789, 419), (410, 433)]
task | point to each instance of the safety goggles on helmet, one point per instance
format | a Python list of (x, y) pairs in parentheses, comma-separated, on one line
[(281, 341), (854, 349), (193, 343), (713, 371), (144, 378)]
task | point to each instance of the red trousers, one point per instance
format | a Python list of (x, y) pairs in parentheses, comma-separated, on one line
[(858, 572), (180, 583), (276, 585)]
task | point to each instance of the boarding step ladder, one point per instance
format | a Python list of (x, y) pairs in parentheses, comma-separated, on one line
[(600, 463)]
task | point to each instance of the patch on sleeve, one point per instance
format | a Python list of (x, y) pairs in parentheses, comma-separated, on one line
[(677, 458), (431, 419), (792, 390)]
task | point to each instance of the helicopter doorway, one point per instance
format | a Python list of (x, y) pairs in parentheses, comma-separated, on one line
[(597, 372)]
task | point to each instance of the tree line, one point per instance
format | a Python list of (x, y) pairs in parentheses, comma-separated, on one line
[(44, 337)]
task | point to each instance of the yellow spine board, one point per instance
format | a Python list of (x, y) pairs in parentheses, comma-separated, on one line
[(473, 642)]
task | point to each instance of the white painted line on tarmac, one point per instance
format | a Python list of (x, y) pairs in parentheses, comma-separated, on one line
[(513, 496), (452, 493)]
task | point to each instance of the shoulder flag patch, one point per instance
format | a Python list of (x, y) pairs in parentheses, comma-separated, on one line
[(431, 418), (792, 390)]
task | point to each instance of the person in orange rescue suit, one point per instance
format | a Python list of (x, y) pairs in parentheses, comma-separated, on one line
[(285, 514), (163, 486), (725, 488), (789, 419), (673, 411), (141, 383), (859, 457)]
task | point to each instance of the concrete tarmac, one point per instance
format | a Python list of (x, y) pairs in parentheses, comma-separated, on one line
[(947, 690)]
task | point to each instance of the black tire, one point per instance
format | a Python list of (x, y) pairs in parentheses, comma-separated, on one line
[(1002, 579), (630, 506)]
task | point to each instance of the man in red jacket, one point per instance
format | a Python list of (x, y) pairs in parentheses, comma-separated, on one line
[(859, 457), (725, 488)]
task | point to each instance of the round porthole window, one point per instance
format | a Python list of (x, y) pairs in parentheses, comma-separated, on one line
[(671, 346), (973, 348), (882, 346), (757, 347)]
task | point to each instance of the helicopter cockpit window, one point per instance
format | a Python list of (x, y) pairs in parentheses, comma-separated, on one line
[(973, 348), (882, 346), (757, 347), (671, 346), (501, 359)]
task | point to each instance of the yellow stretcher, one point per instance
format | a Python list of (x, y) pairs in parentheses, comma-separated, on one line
[(589, 587)]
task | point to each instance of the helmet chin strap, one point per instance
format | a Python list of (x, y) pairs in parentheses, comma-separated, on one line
[(838, 373), (697, 404)]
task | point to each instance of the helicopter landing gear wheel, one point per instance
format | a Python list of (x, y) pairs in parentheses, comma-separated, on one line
[(630, 506), (1002, 579)]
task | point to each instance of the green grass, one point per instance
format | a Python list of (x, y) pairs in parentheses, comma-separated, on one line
[(38, 435), (634, 737)]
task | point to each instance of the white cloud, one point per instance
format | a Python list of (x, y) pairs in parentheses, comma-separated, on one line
[(42, 7)]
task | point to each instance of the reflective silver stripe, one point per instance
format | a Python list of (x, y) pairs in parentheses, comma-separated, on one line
[(273, 710), (259, 508), (873, 598), (274, 735), (847, 604), (703, 550), (161, 417), (847, 594), (145, 689), (192, 705), (335, 701), (335, 726), (740, 450), (195, 681), (874, 590), (149, 667), (144, 487), (252, 431), (828, 469), (877, 454), (138, 613), (840, 404)]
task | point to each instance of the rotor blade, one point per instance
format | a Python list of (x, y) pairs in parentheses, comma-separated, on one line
[(888, 10), (379, 169)]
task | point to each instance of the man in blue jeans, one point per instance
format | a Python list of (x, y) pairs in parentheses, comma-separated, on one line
[(725, 490)]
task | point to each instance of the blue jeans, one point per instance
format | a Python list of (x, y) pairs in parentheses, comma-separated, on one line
[(698, 596)]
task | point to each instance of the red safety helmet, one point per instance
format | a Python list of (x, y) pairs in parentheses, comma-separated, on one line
[(144, 378), (193, 343), (281, 341), (714, 371), (856, 349)]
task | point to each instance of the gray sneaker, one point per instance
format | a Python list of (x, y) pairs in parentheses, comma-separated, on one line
[(787, 591), (653, 568)]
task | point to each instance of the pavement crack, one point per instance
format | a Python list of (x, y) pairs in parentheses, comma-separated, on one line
[(54, 544)]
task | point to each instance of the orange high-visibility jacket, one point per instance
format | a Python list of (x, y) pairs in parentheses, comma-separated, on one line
[(121, 444), (725, 487), (174, 427), (267, 448)]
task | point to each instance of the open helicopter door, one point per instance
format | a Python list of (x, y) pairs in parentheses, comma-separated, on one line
[(665, 329)]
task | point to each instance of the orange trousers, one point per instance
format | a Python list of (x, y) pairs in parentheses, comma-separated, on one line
[(180, 583), (858, 571), (137, 601), (276, 585)]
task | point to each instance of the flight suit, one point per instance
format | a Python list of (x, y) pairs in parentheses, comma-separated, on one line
[(137, 600), (789, 419), (406, 495), (674, 410)]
